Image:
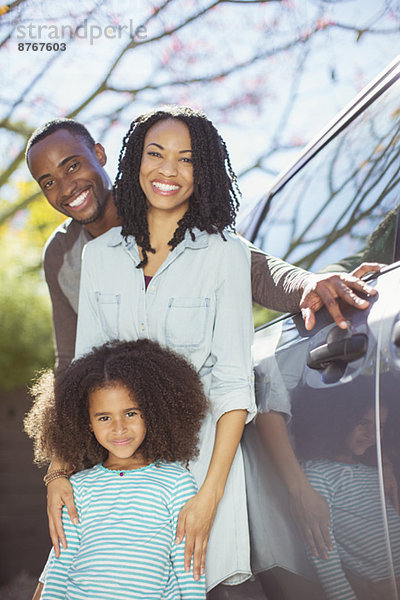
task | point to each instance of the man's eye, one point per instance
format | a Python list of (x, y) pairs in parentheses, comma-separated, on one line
[(48, 184), (73, 166)]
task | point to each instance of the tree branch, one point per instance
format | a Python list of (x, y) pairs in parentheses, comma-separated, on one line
[(8, 214)]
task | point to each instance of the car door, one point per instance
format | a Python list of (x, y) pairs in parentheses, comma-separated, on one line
[(338, 390)]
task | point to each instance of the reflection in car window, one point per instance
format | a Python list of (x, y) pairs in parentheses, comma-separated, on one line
[(328, 210)]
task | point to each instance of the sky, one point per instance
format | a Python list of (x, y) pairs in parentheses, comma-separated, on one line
[(273, 108)]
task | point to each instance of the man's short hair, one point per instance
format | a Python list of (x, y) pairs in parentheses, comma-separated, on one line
[(50, 127)]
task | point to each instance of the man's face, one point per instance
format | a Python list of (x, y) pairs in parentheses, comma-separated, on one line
[(71, 175)]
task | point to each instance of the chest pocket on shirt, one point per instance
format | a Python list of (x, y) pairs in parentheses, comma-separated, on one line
[(108, 308), (186, 321)]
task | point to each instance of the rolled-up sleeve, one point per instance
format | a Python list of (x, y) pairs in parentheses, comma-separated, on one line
[(232, 385)]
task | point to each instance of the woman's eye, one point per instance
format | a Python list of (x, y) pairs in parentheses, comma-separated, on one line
[(154, 153), (131, 413), (104, 419), (187, 160)]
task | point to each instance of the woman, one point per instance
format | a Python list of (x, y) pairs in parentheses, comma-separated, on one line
[(176, 273)]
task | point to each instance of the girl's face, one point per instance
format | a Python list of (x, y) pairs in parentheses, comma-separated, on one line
[(364, 433), (118, 425), (166, 170)]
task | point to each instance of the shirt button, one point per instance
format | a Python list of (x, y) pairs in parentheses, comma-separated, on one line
[(142, 326), (152, 288)]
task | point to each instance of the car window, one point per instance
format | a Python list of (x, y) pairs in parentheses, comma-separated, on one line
[(343, 204)]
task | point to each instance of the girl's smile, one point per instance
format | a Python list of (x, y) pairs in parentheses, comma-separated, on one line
[(117, 424)]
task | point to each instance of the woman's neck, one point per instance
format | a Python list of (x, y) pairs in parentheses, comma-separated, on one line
[(162, 227)]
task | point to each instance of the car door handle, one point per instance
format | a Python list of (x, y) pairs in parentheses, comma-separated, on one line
[(396, 335), (345, 350)]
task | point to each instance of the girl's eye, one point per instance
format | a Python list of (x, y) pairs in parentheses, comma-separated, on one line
[(131, 413), (104, 419)]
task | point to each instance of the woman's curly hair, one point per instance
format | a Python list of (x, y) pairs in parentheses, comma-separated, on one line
[(165, 386), (215, 199)]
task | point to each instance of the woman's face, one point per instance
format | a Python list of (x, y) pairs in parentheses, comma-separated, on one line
[(166, 169), (364, 433)]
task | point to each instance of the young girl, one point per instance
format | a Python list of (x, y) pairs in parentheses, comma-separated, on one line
[(335, 438), (176, 273), (123, 415)]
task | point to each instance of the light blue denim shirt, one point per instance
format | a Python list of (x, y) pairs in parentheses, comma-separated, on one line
[(199, 304)]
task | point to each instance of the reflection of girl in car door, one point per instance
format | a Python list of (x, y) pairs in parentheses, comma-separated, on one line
[(333, 439)]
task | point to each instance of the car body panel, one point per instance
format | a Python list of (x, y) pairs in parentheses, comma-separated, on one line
[(335, 207)]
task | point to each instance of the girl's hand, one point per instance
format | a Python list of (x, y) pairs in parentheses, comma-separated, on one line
[(59, 493), (310, 511), (195, 521)]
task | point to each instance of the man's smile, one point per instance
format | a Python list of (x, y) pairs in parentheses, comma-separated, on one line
[(79, 200)]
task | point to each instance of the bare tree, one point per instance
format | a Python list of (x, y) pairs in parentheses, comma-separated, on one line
[(235, 59)]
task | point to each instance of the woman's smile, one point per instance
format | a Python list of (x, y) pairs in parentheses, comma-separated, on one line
[(164, 188)]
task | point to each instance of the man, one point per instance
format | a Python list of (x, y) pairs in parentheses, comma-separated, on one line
[(69, 167)]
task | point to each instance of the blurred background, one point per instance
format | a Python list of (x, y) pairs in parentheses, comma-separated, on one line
[(269, 74)]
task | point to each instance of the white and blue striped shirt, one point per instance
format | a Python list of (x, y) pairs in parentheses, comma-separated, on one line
[(123, 547)]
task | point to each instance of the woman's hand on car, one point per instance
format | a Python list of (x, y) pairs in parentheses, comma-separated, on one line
[(327, 289), (59, 493)]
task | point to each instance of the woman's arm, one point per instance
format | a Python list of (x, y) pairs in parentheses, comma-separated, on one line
[(185, 489), (309, 509), (198, 514), (231, 393)]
